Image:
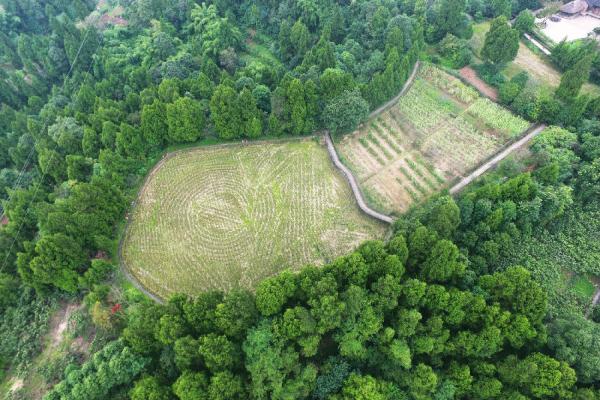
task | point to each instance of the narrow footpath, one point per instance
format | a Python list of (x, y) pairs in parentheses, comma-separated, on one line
[(594, 302), (353, 184), (534, 131), (347, 173)]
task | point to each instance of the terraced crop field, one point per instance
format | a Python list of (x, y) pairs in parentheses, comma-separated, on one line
[(225, 217), (437, 132)]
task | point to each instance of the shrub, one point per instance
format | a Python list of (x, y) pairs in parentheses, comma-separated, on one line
[(525, 21), (508, 91), (455, 50)]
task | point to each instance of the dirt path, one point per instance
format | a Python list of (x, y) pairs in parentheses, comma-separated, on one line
[(470, 76), (533, 132), (353, 184), (594, 302), (59, 322), (405, 88), (347, 173)]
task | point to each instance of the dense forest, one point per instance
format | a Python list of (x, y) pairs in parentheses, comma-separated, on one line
[(440, 311)]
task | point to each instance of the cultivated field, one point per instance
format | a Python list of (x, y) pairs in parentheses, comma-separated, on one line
[(437, 132), (226, 217)]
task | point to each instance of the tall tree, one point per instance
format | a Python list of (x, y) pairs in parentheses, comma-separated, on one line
[(574, 78), (501, 42), (154, 123), (185, 118), (224, 108), (251, 117), (345, 112), (446, 16)]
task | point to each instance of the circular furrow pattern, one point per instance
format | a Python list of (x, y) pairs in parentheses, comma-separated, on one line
[(219, 218)]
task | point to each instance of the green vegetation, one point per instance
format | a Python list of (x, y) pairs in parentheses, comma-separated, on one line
[(501, 42), (542, 71), (384, 309), (228, 217), (582, 286), (93, 93), (569, 246)]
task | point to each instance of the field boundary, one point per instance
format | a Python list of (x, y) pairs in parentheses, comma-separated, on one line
[(353, 184), (528, 135), (537, 44), (465, 81), (331, 150), (362, 204)]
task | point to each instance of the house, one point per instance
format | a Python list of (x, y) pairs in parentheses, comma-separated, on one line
[(576, 7)]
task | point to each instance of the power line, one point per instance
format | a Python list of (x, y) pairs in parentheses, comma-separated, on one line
[(39, 183), (18, 180), (26, 164)]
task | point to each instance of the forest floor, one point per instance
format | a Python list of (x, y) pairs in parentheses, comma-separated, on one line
[(224, 217)]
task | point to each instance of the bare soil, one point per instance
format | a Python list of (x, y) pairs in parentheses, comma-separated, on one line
[(59, 322), (571, 28), (17, 384), (471, 76)]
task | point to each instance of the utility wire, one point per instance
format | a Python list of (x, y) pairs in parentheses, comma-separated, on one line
[(39, 183)]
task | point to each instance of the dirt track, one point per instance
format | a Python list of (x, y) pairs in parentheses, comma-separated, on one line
[(595, 301), (470, 75), (534, 131)]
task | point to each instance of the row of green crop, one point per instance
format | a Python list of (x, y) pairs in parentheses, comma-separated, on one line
[(365, 143)]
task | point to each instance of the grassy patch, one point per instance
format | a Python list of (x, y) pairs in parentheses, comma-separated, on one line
[(582, 286), (365, 143), (386, 137), (423, 176), (230, 216), (410, 177), (377, 144), (257, 50)]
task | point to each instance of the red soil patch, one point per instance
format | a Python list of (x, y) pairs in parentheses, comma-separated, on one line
[(101, 255), (4, 221), (107, 19), (470, 76)]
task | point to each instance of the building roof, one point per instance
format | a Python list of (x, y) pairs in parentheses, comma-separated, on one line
[(574, 7), (593, 3)]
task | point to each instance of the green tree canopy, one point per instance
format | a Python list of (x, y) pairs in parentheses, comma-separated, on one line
[(501, 42)]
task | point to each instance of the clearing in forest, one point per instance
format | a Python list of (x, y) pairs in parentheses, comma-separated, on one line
[(539, 68), (437, 132), (229, 216)]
